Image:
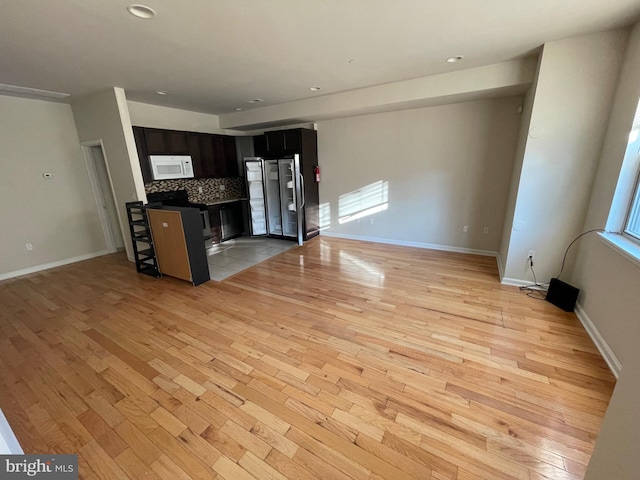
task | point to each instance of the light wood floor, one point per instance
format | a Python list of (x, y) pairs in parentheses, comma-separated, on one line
[(339, 359)]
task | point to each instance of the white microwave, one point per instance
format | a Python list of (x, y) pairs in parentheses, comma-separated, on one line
[(168, 167)]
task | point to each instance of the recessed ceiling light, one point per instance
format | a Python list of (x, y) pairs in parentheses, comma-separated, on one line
[(238, 109), (160, 92), (141, 11), (454, 59), (256, 100), (314, 89)]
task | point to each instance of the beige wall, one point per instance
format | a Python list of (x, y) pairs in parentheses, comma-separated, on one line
[(498, 80), (575, 86), (104, 116), (616, 452), (445, 167), (606, 278), (146, 115), (59, 216), (609, 286), (527, 109)]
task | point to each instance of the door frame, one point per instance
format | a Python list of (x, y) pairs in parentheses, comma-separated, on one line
[(97, 192)]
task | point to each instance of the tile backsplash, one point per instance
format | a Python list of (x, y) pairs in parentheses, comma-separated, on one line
[(212, 188)]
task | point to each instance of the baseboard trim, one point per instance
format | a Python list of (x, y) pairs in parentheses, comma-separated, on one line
[(47, 266), (403, 243), (612, 361), (500, 267), (516, 282)]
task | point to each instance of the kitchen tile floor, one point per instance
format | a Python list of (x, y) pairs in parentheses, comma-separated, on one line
[(233, 256)]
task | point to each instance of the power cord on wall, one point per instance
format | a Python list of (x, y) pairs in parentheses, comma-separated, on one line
[(564, 259), (539, 290)]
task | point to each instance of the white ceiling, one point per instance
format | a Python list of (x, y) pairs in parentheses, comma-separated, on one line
[(215, 55)]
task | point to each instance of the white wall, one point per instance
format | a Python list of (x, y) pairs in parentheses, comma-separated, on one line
[(104, 116), (575, 87), (445, 167), (57, 216), (609, 286)]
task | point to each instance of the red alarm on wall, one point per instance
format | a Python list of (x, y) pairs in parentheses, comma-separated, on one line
[(316, 173)]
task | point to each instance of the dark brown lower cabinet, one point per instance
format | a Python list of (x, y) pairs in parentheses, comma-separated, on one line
[(231, 220), (227, 221), (216, 225), (180, 250)]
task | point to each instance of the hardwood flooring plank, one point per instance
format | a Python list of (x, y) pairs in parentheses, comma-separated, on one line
[(336, 359), (102, 464), (230, 470), (259, 468), (248, 439), (134, 467), (130, 359)]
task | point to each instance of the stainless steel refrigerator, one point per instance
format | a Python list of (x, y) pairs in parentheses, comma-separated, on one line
[(276, 197)]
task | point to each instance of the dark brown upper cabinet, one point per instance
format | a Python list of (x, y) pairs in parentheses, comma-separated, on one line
[(143, 155), (260, 146), (278, 142), (213, 156), (166, 142), (230, 156), (202, 153), (292, 140)]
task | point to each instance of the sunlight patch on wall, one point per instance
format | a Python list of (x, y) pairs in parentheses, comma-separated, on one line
[(325, 215), (363, 202)]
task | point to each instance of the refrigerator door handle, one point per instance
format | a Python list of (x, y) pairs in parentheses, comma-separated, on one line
[(304, 200)]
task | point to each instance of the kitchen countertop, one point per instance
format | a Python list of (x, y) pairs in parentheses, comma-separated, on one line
[(218, 201)]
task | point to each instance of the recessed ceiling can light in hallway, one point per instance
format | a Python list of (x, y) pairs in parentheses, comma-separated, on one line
[(141, 11), (314, 89), (238, 109), (160, 92), (455, 59), (255, 100)]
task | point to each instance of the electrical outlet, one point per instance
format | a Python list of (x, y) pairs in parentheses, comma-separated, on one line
[(485, 230), (465, 229), (372, 220), (28, 246), (531, 255)]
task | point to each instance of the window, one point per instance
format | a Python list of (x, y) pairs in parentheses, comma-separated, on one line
[(631, 166), (623, 224), (633, 222)]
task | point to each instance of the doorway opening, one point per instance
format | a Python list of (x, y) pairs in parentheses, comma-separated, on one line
[(103, 194)]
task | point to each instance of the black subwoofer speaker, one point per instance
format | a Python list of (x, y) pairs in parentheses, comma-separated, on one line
[(562, 295)]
